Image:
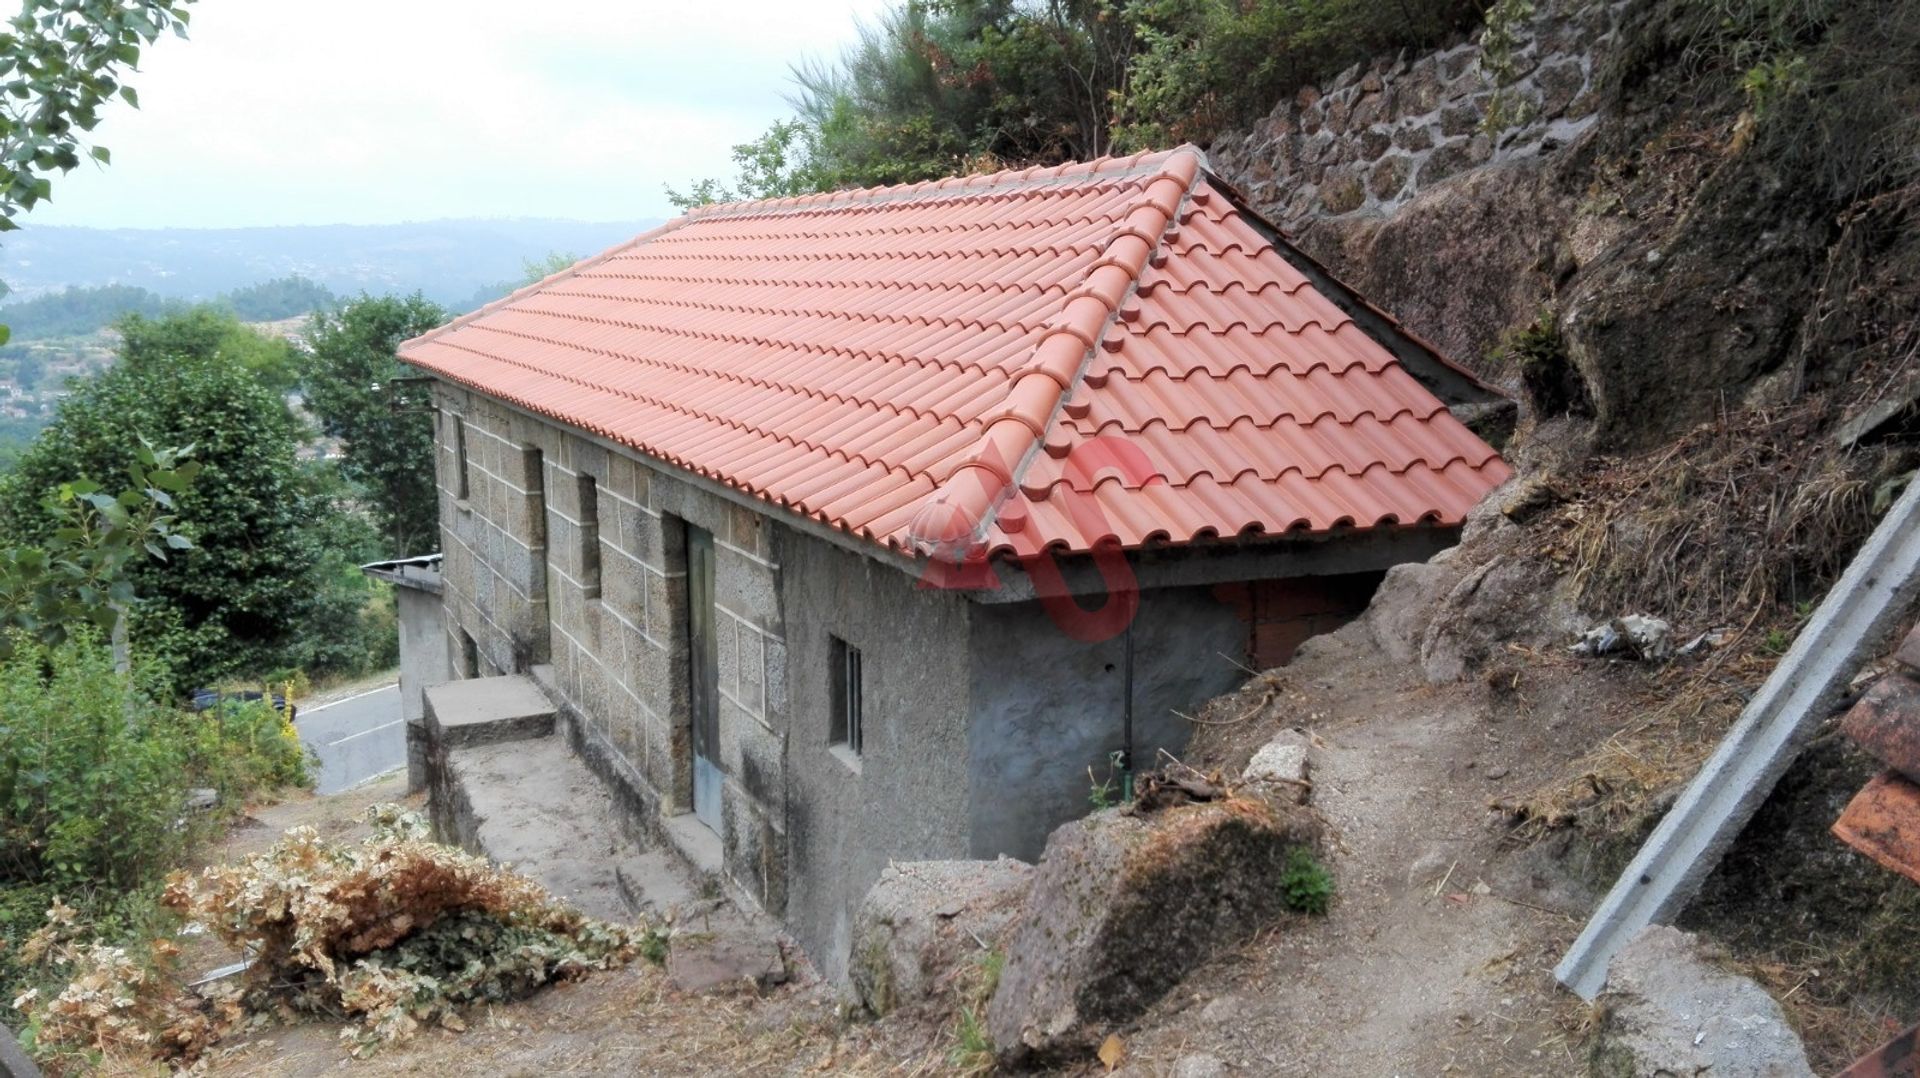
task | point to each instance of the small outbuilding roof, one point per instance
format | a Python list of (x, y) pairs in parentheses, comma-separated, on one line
[(1098, 353)]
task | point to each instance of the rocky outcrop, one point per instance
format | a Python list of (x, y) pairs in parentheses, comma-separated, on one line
[(1616, 194), (1122, 906), (926, 925), (1670, 1011), (1430, 185), (1453, 613)]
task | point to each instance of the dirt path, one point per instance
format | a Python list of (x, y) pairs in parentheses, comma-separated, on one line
[(1436, 958)]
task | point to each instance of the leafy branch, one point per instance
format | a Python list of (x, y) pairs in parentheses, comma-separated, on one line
[(63, 61), (79, 575)]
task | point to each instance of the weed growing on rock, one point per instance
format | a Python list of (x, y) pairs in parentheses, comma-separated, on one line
[(972, 1051), (654, 945), (1307, 884)]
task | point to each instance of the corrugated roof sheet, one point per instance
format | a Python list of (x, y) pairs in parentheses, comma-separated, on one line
[(1110, 352)]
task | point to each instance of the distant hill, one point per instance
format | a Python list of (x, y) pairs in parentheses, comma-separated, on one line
[(78, 310), (455, 262)]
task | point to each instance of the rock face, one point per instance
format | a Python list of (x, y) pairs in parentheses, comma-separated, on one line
[(1453, 613), (1123, 906), (1671, 1012), (925, 923), (1676, 264)]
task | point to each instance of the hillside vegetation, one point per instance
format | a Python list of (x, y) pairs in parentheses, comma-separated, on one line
[(937, 87)]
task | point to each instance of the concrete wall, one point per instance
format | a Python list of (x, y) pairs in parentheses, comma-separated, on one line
[(905, 796), (518, 571), (1045, 706), (981, 720), (424, 662), (492, 564)]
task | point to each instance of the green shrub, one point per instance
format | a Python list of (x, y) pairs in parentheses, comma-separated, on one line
[(94, 772), (1306, 883), (1538, 351)]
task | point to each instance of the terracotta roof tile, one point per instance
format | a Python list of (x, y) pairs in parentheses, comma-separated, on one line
[(1886, 722), (945, 367), (1883, 822)]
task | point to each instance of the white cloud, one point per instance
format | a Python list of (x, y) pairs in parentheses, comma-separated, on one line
[(362, 111)]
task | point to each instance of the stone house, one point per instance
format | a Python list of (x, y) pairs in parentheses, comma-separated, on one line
[(870, 525)]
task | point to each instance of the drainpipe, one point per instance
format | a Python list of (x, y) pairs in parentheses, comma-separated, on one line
[(1126, 712)]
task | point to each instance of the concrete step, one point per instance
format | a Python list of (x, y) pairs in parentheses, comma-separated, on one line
[(487, 711), (499, 784), (533, 805)]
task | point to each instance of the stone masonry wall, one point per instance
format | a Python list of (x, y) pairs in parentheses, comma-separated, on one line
[(522, 544), (1379, 134)]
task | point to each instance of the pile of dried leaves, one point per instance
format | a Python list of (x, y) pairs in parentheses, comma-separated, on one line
[(117, 1001), (395, 932)]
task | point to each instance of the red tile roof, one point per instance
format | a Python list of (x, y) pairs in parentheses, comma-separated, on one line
[(974, 363)]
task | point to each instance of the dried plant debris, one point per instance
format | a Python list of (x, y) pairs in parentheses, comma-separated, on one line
[(116, 1000), (393, 933)]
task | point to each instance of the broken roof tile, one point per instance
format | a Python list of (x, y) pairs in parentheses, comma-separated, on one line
[(1886, 722), (1883, 822)]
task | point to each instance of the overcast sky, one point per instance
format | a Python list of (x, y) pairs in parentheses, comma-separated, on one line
[(372, 111)]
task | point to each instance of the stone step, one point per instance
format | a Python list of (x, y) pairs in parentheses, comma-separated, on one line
[(500, 785), (533, 805), (487, 711)]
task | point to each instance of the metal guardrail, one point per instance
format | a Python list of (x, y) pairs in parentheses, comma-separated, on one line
[(1857, 615)]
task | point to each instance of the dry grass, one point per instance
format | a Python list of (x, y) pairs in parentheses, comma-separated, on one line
[(1673, 725), (1734, 518), (1737, 527)]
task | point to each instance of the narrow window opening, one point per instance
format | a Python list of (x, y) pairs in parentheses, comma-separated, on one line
[(589, 536), (848, 725), (469, 655), (461, 486)]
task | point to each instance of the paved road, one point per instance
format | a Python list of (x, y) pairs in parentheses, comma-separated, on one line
[(355, 739)]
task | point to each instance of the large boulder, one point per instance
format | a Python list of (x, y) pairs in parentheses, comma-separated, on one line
[(1461, 261), (1123, 905), (926, 924), (1671, 1011)]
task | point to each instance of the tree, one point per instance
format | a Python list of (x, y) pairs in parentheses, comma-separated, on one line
[(535, 270), (207, 331), (282, 297), (936, 87), (387, 449), (79, 576), (236, 603), (63, 60)]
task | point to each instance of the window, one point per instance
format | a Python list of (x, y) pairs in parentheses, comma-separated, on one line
[(846, 703), (461, 488), (469, 655), (589, 536)]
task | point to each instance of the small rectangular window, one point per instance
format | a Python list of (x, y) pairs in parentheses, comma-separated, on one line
[(846, 703), (461, 487), (469, 655), (589, 536)]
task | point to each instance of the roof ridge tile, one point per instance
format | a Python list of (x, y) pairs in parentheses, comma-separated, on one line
[(952, 524)]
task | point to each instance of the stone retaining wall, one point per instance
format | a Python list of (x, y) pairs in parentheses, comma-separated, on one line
[(1379, 134)]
